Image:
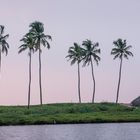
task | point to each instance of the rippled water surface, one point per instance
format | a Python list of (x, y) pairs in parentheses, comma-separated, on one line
[(106, 131)]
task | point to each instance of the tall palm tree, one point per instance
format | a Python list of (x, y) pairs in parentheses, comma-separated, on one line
[(120, 51), (75, 55), (4, 46), (28, 43), (91, 52), (37, 29)]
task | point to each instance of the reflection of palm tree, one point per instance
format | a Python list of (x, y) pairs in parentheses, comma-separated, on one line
[(4, 46), (28, 44), (37, 29), (121, 50), (91, 52), (75, 55)]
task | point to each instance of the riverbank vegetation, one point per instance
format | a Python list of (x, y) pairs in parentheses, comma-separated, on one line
[(65, 113)]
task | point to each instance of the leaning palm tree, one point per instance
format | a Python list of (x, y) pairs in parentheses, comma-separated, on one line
[(28, 43), (120, 51), (75, 55), (4, 46), (37, 30), (91, 52)]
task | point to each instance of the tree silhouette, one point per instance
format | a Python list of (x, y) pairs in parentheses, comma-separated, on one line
[(75, 55), (91, 52), (28, 43), (37, 30), (120, 51), (4, 46)]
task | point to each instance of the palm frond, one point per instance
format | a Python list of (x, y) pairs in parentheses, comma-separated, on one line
[(4, 44), (97, 51), (73, 61), (22, 49), (115, 51), (48, 36), (96, 58), (3, 38), (48, 45), (116, 55), (43, 41), (1, 29), (128, 47), (120, 56), (86, 61), (96, 45), (22, 46), (125, 56), (129, 53), (4, 49)]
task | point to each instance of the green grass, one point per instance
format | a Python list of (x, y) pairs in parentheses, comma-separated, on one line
[(68, 113)]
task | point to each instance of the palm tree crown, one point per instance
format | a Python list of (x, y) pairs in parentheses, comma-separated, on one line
[(4, 46), (37, 30), (121, 49), (28, 43), (75, 54), (91, 51)]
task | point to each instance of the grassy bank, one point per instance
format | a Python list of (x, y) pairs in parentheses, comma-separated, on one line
[(68, 113)]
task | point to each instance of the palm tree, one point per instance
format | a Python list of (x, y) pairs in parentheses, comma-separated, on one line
[(120, 51), (75, 55), (37, 29), (28, 43), (91, 52), (4, 46)]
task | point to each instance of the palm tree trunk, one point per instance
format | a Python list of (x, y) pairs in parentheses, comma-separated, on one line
[(119, 81), (40, 85), (93, 96), (29, 89), (79, 83)]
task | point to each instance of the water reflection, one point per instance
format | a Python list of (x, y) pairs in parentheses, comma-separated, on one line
[(112, 131)]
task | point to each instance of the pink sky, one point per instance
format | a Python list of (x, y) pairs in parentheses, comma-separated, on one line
[(68, 22)]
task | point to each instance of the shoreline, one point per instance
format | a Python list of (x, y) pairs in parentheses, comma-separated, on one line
[(68, 113)]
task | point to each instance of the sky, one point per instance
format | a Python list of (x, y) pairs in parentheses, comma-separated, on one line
[(69, 21)]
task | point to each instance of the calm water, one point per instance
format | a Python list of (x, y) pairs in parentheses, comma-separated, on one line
[(111, 131)]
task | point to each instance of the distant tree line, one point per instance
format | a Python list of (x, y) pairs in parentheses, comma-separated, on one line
[(87, 54)]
